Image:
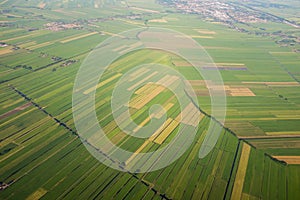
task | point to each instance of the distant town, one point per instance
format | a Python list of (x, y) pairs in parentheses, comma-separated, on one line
[(239, 16)]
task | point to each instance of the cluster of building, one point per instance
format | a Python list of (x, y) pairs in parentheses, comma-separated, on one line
[(218, 10), (68, 62), (3, 185), (3, 44), (59, 26)]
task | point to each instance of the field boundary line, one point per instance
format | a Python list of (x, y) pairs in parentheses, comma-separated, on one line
[(150, 187)]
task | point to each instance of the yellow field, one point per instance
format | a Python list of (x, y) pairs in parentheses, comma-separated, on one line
[(240, 91), (132, 22), (166, 132), (102, 83), (167, 107), (5, 50), (158, 137), (37, 194), (168, 80), (142, 124), (129, 48), (40, 45), (112, 34), (78, 37), (27, 44), (190, 115), (144, 99), (160, 129), (274, 83), (142, 81), (204, 31), (292, 160), (137, 151), (138, 73), (201, 36), (145, 10), (284, 133), (181, 63), (158, 20), (233, 90), (144, 89), (150, 91), (34, 33), (241, 173)]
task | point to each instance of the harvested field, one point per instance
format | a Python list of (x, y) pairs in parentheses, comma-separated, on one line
[(190, 115), (78, 37), (131, 47), (39, 45), (181, 63), (291, 160), (132, 22), (102, 83), (240, 91), (243, 127), (23, 107), (202, 36), (141, 81), (142, 124), (241, 172), (27, 44), (37, 194), (138, 73), (204, 31), (167, 107), (145, 89), (236, 91), (5, 50), (140, 102), (274, 83), (166, 132), (284, 133), (158, 20), (144, 9), (112, 34), (137, 152), (160, 129), (197, 82), (167, 80), (119, 48)]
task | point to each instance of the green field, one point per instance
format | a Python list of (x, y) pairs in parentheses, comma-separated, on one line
[(41, 152)]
